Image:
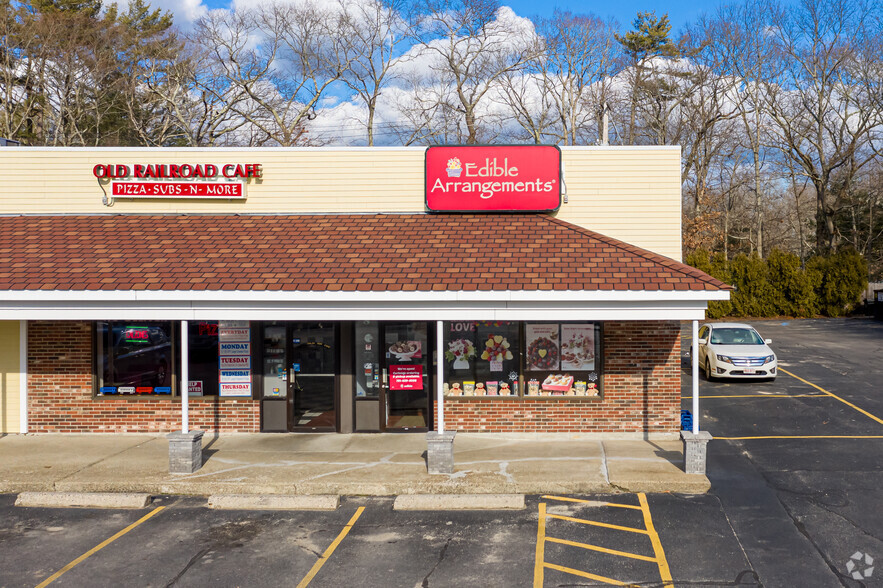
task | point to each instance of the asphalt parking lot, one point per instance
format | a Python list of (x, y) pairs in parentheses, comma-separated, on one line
[(601, 540), (796, 462), (795, 470)]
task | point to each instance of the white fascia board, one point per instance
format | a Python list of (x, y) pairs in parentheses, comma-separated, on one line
[(349, 310), (443, 296)]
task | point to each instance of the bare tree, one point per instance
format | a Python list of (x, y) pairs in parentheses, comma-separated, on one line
[(523, 92), (282, 58), (472, 44), (375, 30), (565, 84), (821, 114)]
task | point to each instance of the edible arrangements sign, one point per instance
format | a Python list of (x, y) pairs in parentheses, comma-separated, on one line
[(498, 178), (187, 180)]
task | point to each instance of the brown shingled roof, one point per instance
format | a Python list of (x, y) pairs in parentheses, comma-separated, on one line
[(379, 252)]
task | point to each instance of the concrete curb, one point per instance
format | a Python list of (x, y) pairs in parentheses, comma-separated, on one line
[(83, 499), (273, 502), (459, 502)]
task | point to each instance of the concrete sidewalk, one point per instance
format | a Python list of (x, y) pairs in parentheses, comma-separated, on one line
[(357, 464)]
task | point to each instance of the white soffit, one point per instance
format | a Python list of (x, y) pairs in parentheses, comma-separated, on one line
[(277, 305)]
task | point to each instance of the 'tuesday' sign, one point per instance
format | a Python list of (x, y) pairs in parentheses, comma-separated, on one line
[(485, 178)]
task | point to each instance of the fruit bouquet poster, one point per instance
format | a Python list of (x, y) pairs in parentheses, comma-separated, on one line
[(542, 346)]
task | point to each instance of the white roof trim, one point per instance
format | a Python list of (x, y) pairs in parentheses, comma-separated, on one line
[(446, 305), (361, 297)]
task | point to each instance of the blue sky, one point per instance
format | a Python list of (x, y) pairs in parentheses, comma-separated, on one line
[(680, 12)]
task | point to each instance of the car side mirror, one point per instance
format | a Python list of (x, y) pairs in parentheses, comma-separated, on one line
[(768, 341), (702, 341)]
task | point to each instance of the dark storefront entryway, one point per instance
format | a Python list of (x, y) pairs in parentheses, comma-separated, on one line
[(300, 379), (299, 376), (393, 375)]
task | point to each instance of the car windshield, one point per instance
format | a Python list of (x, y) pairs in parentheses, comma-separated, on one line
[(735, 336)]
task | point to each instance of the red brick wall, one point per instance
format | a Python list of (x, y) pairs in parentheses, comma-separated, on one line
[(60, 393), (641, 392), (642, 389)]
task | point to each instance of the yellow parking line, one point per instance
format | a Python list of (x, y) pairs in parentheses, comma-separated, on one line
[(864, 412), (541, 543), (664, 570), (97, 548), (318, 565), (601, 549), (801, 437), (586, 575), (595, 502), (597, 524)]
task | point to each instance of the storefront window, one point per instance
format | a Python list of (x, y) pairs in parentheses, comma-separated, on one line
[(495, 359), (367, 354), (481, 358), (135, 357), (561, 359), (203, 366)]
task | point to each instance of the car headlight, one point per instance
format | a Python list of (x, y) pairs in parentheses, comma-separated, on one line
[(769, 358), (724, 359)]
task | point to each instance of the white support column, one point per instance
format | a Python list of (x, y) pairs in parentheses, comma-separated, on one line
[(695, 354), (22, 377), (185, 379), (440, 376), (440, 445)]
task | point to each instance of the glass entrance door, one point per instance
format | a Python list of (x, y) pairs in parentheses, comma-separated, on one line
[(313, 376), (299, 374), (407, 379)]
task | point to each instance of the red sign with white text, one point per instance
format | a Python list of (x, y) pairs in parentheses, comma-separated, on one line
[(406, 377), (178, 189), (485, 178)]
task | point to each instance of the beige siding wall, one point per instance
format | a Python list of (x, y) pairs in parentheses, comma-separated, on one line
[(629, 193), (9, 377)]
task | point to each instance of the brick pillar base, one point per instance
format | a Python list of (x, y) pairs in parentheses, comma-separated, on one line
[(695, 451), (440, 452), (185, 452)]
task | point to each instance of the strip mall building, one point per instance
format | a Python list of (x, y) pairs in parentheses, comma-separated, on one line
[(524, 289)]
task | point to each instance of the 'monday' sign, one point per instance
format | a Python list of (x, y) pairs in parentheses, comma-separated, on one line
[(486, 178)]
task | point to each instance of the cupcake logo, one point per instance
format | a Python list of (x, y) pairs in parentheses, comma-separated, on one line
[(454, 167)]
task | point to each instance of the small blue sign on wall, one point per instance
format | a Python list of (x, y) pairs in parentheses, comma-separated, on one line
[(295, 367)]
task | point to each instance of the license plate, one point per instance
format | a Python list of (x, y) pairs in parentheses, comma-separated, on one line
[(749, 371)]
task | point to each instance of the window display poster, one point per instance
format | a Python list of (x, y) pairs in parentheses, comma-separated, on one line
[(195, 388), (406, 377), (578, 347), (542, 346), (234, 358)]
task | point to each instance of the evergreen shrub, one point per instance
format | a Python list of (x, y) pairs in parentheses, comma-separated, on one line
[(779, 285), (841, 279)]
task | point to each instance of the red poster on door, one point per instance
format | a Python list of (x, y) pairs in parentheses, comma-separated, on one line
[(406, 377)]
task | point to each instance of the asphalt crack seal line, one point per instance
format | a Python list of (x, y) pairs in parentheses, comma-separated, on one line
[(441, 557)]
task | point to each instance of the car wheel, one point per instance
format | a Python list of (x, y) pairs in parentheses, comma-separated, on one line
[(708, 375)]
